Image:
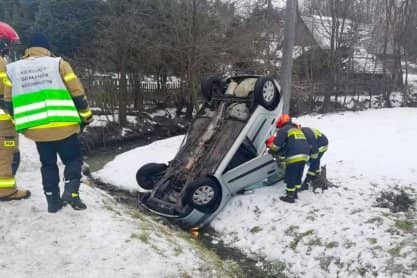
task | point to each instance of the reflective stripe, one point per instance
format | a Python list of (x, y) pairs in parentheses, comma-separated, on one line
[(86, 114), (43, 104), (7, 82), (3, 74), (297, 158), (323, 149), (298, 186), (314, 155), (317, 133), (55, 124), (45, 115), (74, 195), (7, 183), (290, 189), (5, 117), (70, 76), (297, 133), (311, 173)]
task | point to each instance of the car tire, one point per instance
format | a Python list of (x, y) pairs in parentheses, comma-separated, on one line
[(203, 194), (266, 93), (212, 86), (149, 174)]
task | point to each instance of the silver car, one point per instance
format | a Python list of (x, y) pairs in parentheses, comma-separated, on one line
[(222, 154)]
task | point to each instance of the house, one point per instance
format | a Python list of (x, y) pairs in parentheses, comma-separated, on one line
[(358, 55)]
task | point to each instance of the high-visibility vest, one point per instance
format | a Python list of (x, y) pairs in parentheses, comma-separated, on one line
[(39, 95)]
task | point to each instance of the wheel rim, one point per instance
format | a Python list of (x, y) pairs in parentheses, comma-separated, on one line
[(268, 91), (203, 195)]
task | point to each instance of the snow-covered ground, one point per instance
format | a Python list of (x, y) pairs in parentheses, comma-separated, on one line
[(106, 240), (338, 233)]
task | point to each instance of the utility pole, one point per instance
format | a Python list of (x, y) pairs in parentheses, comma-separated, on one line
[(289, 39)]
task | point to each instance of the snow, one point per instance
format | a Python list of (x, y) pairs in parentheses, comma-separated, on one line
[(121, 171), (337, 233), (106, 240)]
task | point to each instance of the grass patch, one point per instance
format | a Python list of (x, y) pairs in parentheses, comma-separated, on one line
[(325, 262), (315, 241), (143, 236), (292, 229), (395, 251), (355, 211), (376, 220), (174, 236), (397, 200), (332, 244), (404, 225), (298, 237), (255, 230), (111, 207)]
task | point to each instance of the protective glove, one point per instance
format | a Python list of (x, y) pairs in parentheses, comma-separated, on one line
[(281, 162)]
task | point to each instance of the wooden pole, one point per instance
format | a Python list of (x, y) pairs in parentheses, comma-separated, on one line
[(289, 39)]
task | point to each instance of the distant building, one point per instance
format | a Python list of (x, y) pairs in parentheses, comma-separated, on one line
[(360, 59)]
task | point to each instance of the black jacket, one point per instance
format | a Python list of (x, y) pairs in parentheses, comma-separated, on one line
[(316, 139), (292, 143)]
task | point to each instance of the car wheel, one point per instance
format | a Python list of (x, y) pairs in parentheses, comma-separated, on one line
[(211, 87), (266, 93), (149, 174), (204, 194)]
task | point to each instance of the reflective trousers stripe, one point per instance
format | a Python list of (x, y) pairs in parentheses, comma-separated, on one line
[(7, 183), (297, 158)]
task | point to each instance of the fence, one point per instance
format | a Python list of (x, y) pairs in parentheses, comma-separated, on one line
[(103, 92)]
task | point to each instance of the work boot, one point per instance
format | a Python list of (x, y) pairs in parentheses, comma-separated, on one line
[(289, 198), (71, 195), (11, 194), (54, 201)]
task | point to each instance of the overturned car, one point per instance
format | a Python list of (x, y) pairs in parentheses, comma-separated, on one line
[(222, 153)]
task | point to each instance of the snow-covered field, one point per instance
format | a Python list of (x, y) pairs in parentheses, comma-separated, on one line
[(338, 233), (106, 240)]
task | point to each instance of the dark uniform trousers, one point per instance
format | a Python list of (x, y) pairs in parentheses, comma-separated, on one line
[(69, 151)]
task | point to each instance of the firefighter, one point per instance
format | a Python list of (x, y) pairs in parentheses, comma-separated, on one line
[(9, 149), (292, 149), (319, 144), (48, 105)]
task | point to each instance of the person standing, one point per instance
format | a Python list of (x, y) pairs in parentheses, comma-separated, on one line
[(292, 148), (48, 104), (319, 145), (9, 143)]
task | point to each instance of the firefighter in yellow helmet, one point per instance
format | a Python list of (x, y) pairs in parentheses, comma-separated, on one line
[(48, 104), (9, 151)]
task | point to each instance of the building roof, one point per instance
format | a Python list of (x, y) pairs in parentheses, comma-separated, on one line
[(362, 39)]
